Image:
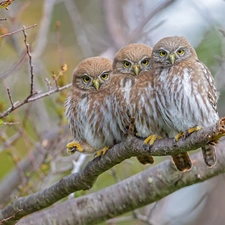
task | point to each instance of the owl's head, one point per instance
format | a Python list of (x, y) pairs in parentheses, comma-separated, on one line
[(92, 74), (132, 59), (171, 50)]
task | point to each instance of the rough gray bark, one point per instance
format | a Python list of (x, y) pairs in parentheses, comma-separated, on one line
[(139, 190), (85, 178)]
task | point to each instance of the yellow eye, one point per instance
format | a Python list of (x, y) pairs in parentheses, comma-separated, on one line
[(126, 64), (180, 51), (145, 62), (86, 78), (105, 76), (162, 53)]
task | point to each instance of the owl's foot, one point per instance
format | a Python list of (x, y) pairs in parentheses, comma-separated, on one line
[(182, 161), (209, 154), (151, 139), (102, 151), (73, 146), (145, 159), (186, 133)]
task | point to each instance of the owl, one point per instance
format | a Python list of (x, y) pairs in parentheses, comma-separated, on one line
[(185, 94), (89, 108), (132, 83)]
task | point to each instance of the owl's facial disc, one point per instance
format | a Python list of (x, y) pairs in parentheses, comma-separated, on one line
[(136, 68), (96, 83)]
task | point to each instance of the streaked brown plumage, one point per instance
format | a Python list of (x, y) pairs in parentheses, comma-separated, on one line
[(133, 90), (185, 93), (89, 107)]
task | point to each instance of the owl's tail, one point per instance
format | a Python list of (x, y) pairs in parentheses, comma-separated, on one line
[(182, 161)]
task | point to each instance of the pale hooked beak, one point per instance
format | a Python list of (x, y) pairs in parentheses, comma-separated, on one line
[(172, 58), (96, 83), (136, 69)]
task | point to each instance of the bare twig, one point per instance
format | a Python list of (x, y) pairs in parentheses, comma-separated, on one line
[(131, 147), (48, 84), (17, 31), (32, 99), (10, 123), (55, 78), (2, 19), (10, 98), (30, 63)]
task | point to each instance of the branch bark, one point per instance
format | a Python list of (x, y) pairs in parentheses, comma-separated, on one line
[(137, 191), (131, 147)]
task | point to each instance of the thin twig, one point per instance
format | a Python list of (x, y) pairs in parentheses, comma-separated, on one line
[(48, 84), (55, 78), (17, 31), (10, 98), (10, 123), (32, 99), (30, 63), (2, 19)]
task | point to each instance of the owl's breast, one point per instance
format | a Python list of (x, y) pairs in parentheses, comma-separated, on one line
[(180, 103)]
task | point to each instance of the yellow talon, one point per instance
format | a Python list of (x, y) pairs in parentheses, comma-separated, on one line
[(188, 132), (178, 136), (151, 139), (102, 151), (193, 129), (72, 147)]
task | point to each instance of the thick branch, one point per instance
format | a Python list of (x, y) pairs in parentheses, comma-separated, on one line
[(85, 178), (137, 191)]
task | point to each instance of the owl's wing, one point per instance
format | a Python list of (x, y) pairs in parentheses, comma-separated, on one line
[(75, 113), (211, 87)]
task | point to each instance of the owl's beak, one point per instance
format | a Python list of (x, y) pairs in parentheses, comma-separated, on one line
[(96, 83), (136, 69), (172, 58)]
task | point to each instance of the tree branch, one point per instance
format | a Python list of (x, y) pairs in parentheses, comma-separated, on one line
[(85, 178), (32, 99), (17, 31), (137, 191)]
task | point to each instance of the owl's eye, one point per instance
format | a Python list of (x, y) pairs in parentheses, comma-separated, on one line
[(162, 53), (145, 62), (86, 78), (126, 64), (105, 76), (180, 52)]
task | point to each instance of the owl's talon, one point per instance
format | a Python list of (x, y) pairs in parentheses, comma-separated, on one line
[(192, 130), (72, 147), (186, 133), (150, 140), (178, 136), (102, 151)]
